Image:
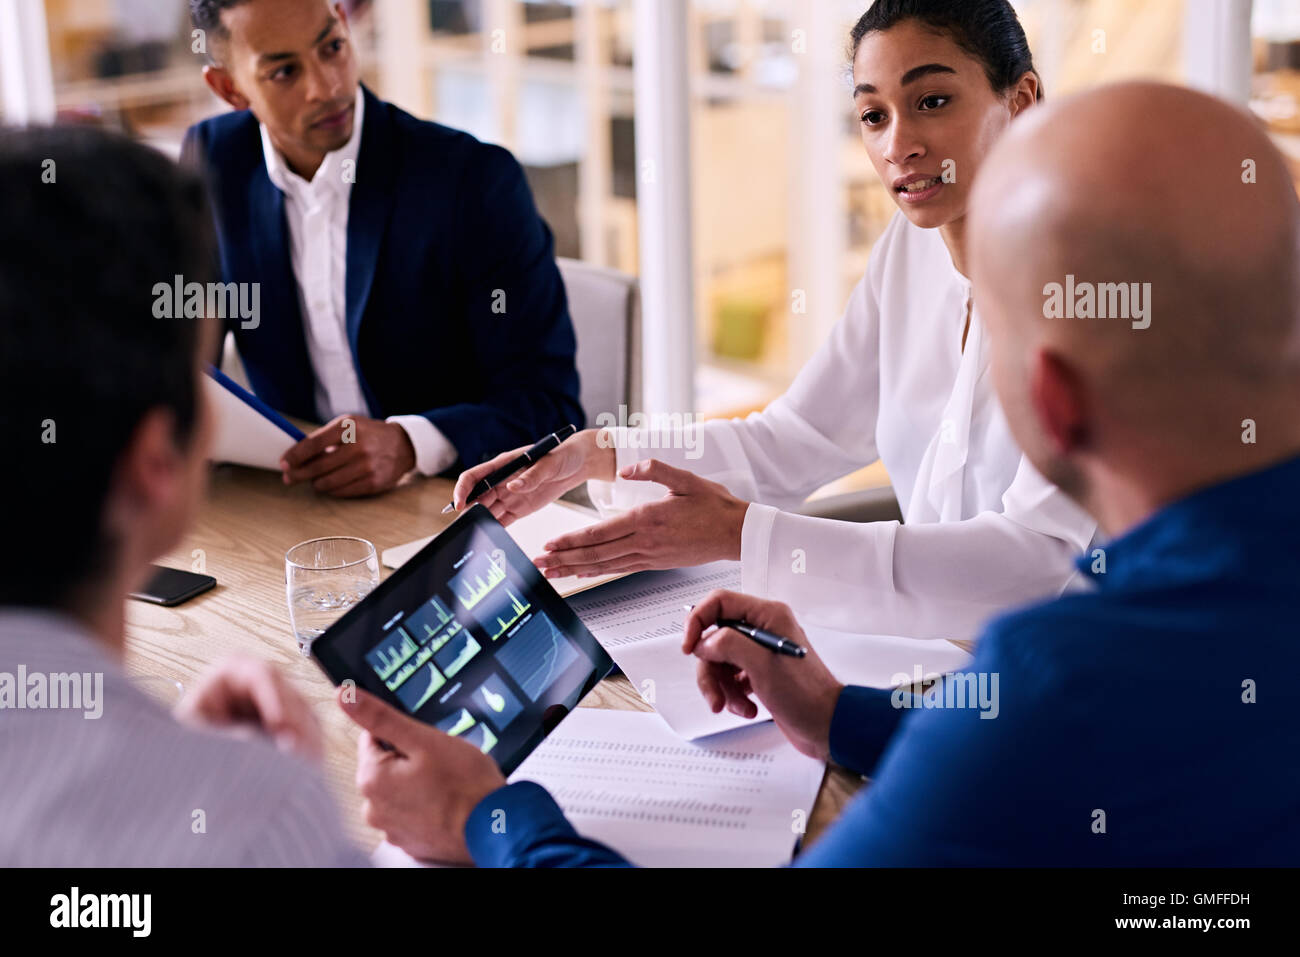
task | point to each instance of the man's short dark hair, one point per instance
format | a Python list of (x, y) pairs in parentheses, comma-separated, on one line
[(206, 15), (91, 223)]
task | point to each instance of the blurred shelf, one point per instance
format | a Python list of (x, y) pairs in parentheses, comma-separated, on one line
[(141, 89)]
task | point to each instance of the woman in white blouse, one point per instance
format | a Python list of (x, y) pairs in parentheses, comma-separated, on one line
[(904, 378)]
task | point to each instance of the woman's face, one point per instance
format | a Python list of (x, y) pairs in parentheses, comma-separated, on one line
[(928, 117)]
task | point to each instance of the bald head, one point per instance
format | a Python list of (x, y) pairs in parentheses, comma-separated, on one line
[(1135, 253)]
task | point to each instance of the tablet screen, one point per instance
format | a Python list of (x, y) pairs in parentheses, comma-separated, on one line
[(470, 637)]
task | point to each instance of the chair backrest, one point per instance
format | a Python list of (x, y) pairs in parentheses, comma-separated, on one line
[(605, 305)]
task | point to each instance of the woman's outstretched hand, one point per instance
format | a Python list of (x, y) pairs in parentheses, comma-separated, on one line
[(698, 521)]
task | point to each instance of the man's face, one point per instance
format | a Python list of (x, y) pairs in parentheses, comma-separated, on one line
[(293, 62)]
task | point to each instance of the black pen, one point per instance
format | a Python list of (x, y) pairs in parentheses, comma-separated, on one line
[(485, 485), (769, 640)]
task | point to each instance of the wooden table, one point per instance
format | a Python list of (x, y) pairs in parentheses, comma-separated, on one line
[(250, 519)]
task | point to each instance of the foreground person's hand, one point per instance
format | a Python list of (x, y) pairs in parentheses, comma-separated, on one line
[(421, 793), (252, 696), (801, 693)]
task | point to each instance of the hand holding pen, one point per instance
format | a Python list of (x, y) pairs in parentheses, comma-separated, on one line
[(515, 464), (776, 664), (761, 636)]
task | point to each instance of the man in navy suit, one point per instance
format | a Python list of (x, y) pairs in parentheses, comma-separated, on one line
[(409, 294)]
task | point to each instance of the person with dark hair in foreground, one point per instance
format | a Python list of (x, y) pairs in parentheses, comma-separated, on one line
[(1149, 722), (105, 436)]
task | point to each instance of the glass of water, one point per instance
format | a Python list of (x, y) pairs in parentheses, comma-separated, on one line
[(323, 578)]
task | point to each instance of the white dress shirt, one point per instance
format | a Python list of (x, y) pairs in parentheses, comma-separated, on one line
[(983, 530), (317, 215)]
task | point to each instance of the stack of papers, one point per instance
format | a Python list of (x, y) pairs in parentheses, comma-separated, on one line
[(738, 799), (623, 778)]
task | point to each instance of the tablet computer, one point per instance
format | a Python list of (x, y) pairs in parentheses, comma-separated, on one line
[(470, 637)]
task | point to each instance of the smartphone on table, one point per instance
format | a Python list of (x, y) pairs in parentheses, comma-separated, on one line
[(171, 586)]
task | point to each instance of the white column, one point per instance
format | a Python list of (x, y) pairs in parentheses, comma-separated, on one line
[(818, 228), (1050, 52), (504, 46), (594, 166), (402, 27), (1217, 48), (27, 82), (749, 35), (663, 155)]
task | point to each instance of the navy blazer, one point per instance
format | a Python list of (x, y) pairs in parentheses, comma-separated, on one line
[(455, 307)]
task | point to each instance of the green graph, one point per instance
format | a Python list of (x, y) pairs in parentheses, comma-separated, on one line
[(476, 589), (396, 680), (464, 724), (444, 615), (516, 606), (389, 658), (446, 636), (468, 650), (428, 620), (436, 681)]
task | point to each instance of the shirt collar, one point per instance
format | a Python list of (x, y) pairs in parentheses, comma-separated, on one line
[(1214, 531), (329, 175)]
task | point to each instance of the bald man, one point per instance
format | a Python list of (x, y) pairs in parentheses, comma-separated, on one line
[(1152, 720)]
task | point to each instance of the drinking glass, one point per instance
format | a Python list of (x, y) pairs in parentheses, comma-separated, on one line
[(323, 578)]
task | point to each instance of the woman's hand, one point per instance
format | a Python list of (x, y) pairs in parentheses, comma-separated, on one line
[(698, 521), (579, 458)]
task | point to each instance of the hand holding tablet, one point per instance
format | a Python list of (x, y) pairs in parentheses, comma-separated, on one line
[(469, 637)]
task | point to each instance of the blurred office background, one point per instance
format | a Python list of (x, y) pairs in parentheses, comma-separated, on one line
[(709, 146)]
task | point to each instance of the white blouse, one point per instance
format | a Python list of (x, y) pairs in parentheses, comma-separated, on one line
[(983, 530)]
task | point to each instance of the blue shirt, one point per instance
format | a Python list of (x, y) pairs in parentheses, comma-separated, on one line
[(1152, 721)]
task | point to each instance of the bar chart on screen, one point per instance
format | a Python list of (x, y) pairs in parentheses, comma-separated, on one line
[(477, 580)]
